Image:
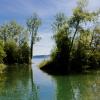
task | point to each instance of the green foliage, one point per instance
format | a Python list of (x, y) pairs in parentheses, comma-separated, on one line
[(60, 22), (2, 52), (62, 44), (54, 54), (16, 54), (14, 46), (79, 58), (9, 31), (10, 48), (61, 37), (24, 54), (33, 24), (94, 59)]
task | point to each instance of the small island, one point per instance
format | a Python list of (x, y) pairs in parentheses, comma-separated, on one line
[(77, 42)]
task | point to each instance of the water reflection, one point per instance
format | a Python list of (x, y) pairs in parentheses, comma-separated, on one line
[(30, 83), (78, 87), (45, 84), (17, 84)]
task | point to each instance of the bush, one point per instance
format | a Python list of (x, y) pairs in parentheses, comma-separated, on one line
[(2, 52), (10, 48), (94, 59), (24, 54), (61, 52), (15, 53)]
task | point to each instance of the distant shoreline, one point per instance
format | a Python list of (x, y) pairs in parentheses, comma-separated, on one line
[(40, 56)]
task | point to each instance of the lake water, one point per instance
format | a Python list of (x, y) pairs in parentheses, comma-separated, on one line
[(30, 83)]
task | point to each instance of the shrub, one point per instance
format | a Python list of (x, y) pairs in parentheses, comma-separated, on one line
[(10, 48), (2, 52), (24, 52)]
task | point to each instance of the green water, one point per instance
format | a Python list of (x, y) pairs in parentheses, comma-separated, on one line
[(30, 83)]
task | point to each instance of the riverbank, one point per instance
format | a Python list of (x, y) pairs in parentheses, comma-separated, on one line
[(53, 68)]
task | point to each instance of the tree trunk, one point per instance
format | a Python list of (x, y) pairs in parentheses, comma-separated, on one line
[(71, 46), (74, 37), (31, 46)]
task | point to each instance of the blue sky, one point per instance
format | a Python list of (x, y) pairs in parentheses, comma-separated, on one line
[(20, 10)]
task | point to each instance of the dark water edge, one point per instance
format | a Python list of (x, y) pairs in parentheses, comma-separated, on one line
[(61, 70), (24, 82), (54, 68)]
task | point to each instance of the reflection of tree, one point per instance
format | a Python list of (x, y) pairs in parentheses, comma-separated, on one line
[(78, 87), (89, 87), (64, 89), (34, 89), (17, 83)]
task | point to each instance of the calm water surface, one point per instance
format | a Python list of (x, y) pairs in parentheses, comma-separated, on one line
[(29, 83)]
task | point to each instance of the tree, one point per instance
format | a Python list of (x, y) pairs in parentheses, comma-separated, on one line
[(79, 19), (23, 38), (60, 22), (33, 24), (96, 38), (61, 37), (10, 30)]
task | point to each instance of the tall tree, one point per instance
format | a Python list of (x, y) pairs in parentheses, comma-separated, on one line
[(80, 20), (33, 24), (62, 38)]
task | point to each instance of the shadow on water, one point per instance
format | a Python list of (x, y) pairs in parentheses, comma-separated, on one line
[(17, 84)]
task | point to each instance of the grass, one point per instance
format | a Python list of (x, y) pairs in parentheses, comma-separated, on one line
[(43, 63)]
